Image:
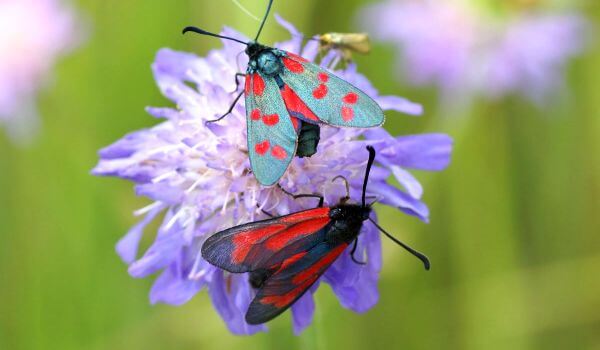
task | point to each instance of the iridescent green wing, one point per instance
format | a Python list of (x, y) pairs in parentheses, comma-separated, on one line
[(272, 139), (331, 100)]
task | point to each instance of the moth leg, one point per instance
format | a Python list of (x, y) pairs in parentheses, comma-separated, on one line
[(353, 251), (228, 111), (375, 199), (347, 55), (296, 196), (264, 211), (237, 81), (336, 60)]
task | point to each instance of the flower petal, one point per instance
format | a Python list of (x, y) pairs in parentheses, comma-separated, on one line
[(394, 197), (170, 288), (356, 285), (399, 104), (232, 304), (162, 252), (427, 152), (410, 183), (295, 44), (127, 246), (303, 311)]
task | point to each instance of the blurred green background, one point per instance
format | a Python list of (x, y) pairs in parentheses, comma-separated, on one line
[(515, 227)]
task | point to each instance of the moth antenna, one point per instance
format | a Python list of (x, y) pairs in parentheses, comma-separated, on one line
[(420, 256), (204, 32), (262, 24), (369, 165), (345, 183)]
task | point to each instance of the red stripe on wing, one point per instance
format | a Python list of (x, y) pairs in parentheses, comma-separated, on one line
[(300, 223), (304, 279), (289, 261), (244, 241), (295, 123), (295, 106), (319, 265), (305, 215), (300, 229), (284, 300)]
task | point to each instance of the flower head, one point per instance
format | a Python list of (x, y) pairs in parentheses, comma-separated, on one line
[(465, 50), (27, 55), (198, 178)]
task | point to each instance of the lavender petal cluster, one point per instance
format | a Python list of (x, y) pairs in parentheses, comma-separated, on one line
[(197, 178)]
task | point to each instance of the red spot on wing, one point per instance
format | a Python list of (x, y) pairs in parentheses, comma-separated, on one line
[(347, 113), (255, 114), (305, 215), (295, 105), (279, 153), (247, 84), (293, 66), (309, 273), (320, 92), (283, 300), (296, 57), (262, 147), (244, 241), (351, 98), (258, 84), (323, 77), (301, 229), (271, 119)]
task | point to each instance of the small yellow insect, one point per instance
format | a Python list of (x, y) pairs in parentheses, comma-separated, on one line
[(346, 43)]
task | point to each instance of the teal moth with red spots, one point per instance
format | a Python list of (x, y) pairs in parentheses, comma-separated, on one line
[(286, 255), (287, 98)]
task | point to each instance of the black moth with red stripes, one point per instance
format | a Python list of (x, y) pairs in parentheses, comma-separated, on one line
[(286, 255)]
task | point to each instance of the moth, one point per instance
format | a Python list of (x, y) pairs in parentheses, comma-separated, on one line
[(286, 255), (346, 43), (287, 99)]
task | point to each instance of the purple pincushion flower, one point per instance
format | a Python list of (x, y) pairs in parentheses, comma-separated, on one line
[(27, 56), (466, 51), (198, 178)]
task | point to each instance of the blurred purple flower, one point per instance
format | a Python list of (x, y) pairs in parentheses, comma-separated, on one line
[(198, 176), (532, 54), (465, 51), (33, 34)]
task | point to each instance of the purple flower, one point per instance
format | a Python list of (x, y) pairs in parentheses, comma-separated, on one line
[(27, 55), (532, 54), (466, 51), (197, 178)]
